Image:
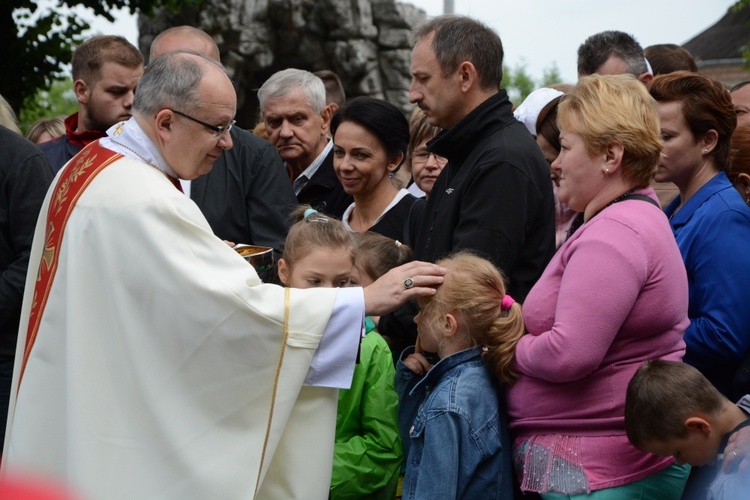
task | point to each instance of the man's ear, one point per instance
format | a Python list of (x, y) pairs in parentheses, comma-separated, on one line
[(698, 424), (283, 272), (467, 74), (164, 123), (645, 78), (326, 115), (81, 90)]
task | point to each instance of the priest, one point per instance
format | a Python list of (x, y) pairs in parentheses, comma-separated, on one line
[(152, 362)]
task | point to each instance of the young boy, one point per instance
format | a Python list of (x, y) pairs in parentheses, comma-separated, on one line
[(672, 409)]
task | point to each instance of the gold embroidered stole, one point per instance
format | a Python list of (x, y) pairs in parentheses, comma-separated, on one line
[(72, 183)]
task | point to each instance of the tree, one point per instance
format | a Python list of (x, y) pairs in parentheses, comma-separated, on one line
[(519, 84), (38, 42), (551, 75), (744, 4), (59, 100)]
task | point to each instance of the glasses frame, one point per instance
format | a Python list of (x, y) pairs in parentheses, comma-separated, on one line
[(440, 160), (217, 131)]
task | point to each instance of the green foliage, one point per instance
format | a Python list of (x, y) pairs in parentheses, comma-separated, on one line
[(38, 42), (743, 4), (520, 84), (551, 76), (58, 100)]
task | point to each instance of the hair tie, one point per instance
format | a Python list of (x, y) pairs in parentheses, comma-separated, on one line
[(398, 243), (506, 303), (309, 212)]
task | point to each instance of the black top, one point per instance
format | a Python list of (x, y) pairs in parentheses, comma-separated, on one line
[(59, 152), (25, 176), (408, 210), (324, 192), (247, 197), (494, 196)]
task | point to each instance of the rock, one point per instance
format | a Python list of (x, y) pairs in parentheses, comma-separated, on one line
[(366, 42)]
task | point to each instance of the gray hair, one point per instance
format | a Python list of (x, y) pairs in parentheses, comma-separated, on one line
[(283, 82), (460, 38), (599, 47), (171, 81)]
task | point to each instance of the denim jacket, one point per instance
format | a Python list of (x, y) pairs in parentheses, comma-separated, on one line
[(454, 430)]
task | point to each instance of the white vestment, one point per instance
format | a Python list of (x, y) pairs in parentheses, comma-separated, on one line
[(153, 369)]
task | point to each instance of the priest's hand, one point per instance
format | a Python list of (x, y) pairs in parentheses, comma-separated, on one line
[(400, 285)]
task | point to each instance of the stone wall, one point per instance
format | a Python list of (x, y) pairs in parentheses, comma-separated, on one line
[(365, 42)]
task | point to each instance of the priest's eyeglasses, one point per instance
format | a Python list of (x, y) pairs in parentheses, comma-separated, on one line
[(218, 131)]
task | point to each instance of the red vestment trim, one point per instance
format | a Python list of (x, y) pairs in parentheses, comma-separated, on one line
[(72, 183)]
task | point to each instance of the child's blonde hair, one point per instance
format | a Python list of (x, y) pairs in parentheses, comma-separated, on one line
[(473, 291), (375, 254), (312, 230)]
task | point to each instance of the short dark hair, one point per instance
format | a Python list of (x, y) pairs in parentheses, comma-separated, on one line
[(668, 58), (706, 105), (460, 38), (91, 55), (380, 117), (599, 47), (661, 396), (334, 88)]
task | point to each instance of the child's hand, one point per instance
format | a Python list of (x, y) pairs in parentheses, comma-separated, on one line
[(417, 363)]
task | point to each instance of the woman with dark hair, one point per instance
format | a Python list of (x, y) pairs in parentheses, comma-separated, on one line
[(709, 218), (370, 137)]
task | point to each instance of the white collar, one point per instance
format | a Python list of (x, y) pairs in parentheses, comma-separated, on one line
[(129, 139)]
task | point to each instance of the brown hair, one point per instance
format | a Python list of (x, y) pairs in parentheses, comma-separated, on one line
[(473, 291), (546, 123), (615, 109), (55, 127), (317, 230), (91, 55), (706, 105), (668, 58), (375, 254), (419, 130), (661, 396), (739, 156)]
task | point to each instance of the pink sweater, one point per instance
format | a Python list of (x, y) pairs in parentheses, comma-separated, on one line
[(615, 294)]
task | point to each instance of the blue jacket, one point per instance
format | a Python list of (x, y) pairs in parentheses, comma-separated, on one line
[(457, 441), (713, 233)]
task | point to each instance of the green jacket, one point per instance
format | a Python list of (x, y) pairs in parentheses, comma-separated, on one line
[(367, 455)]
